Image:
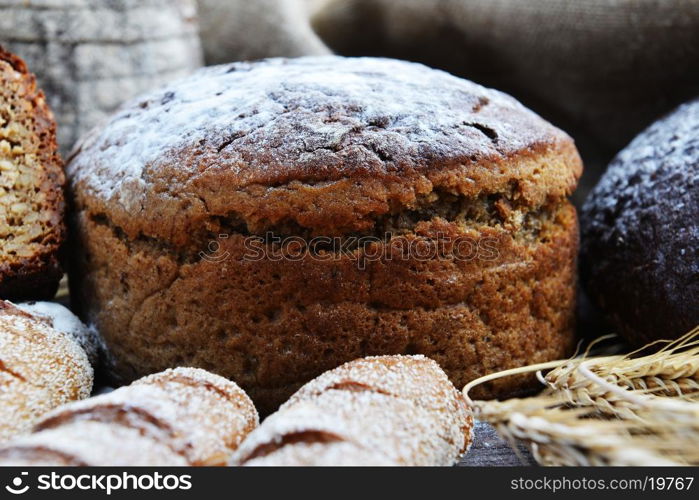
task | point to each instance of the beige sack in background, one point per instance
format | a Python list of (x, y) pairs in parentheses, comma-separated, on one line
[(602, 69), (238, 30), (91, 55)]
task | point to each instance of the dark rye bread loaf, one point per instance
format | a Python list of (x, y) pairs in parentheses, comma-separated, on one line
[(31, 187), (640, 228), (238, 155)]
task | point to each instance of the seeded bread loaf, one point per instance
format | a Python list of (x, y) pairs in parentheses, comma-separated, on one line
[(40, 369), (271, 220), (383, 410), (31, 187), (200, 416)]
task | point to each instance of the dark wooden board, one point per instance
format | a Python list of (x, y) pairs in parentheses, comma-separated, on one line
[(490, 450)]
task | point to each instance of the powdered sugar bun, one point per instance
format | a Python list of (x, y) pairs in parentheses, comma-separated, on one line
[(89, 444), (40, 369), (402, 408), (201, 416)]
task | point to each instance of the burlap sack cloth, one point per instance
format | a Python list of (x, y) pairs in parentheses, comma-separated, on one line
[(601, 69), (237, 30), (91, 55)]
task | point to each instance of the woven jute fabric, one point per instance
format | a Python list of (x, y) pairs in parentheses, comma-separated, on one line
[(239, 30)]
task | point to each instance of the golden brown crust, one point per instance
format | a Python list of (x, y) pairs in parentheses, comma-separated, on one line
[(35, 274), (88, 444), (273, 324), (415, 378), (331, 147)]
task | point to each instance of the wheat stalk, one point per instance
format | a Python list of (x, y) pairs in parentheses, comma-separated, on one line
[(629, 409), (619, 385)]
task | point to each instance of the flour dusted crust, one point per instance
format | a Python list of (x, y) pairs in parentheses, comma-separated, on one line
[(399, 377), (332, 147), (368, 409), (288, 139), (232, 415), (82, 444), (62, 319), (640, 227), (200, 416), (40, 369), (31, 187)]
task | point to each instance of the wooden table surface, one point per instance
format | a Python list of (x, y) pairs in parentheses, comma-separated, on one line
[(489, 450)]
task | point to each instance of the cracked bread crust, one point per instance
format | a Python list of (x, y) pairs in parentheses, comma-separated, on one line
[(328, 143), (273, 324), (332, 147), (31, 187)]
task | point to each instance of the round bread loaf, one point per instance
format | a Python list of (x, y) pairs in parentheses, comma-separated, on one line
[(199, 415), (31, 187), (640, 232), (378, 410), (82, 444), (271, 220), (40, 369)]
